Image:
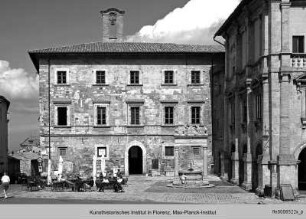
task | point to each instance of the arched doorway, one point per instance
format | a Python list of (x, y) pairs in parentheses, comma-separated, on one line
[(302, 170), (135, 160)]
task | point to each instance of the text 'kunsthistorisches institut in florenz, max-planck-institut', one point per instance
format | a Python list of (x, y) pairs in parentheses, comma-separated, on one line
[(158, 108)]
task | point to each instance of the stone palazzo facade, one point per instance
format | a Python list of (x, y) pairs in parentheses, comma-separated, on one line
[(129, 103), (263, 91)]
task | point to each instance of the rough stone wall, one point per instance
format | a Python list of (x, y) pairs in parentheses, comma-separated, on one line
[(81, 93)]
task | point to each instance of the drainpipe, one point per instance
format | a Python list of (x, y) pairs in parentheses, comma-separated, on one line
[(49, 112)]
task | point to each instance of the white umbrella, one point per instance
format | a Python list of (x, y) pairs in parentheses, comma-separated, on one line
[(102, 164), (60, 168), (94, 168)]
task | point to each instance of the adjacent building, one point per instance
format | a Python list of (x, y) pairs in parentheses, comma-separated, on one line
[(4, 119), (264, 127), (26, 158), (143, 107)]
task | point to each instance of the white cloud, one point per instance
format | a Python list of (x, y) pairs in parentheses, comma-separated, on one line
[(17, 83), (195, 23)]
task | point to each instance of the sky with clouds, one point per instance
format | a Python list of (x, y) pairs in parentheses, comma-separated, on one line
[(33, 24)]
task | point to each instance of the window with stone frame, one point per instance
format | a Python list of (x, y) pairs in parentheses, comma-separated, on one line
[(134, 78), (169, 151), (101, 115), (195, 115), (100, 77), (62, 151), (102, 151), (168, 77), (195, 77), (135, 112), (258, 106), (61, 77), (135, 115), (169, 115), (298, 44), (196, 150), (62, 116)]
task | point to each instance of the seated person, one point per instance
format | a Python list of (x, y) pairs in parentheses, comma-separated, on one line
[(117, 183), (183, 178), (78, 184), (117, 187), (100, 183), (119, 176)]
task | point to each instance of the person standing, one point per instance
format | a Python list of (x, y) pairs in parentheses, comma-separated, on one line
[(5, 180)]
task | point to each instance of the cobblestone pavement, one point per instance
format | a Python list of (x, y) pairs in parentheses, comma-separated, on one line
[(136, 191)]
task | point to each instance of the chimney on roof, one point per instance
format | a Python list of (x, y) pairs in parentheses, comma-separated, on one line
[(112, 20)]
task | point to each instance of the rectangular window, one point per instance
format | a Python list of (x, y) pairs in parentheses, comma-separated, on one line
[(135, 115), (101, 115), (61, 115), (169, 77), (232, 113), (244, 111), (100, 77), (196, 150), (195, 77), (134, 77), (195, 115), (298, 44), (258, 107), (101, 151), (169, 151), (154, 164), (61, 77), (62, 151), (169, 114)]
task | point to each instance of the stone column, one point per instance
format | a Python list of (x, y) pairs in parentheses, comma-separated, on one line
[(263, 160), (205, 169), (235, 164), (176, 161), (247, 158)]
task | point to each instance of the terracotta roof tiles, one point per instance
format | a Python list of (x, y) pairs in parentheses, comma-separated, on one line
[(129, 47)]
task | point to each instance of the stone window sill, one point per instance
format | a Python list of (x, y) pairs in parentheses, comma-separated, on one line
[(62, 126), (135, 126), (102, 126), (169, 126), (134, 85), (168, 84), (62, 85), (168, 157), (195, 85), (100, 85)]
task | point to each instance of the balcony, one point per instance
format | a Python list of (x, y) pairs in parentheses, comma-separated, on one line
[(298, 60)]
